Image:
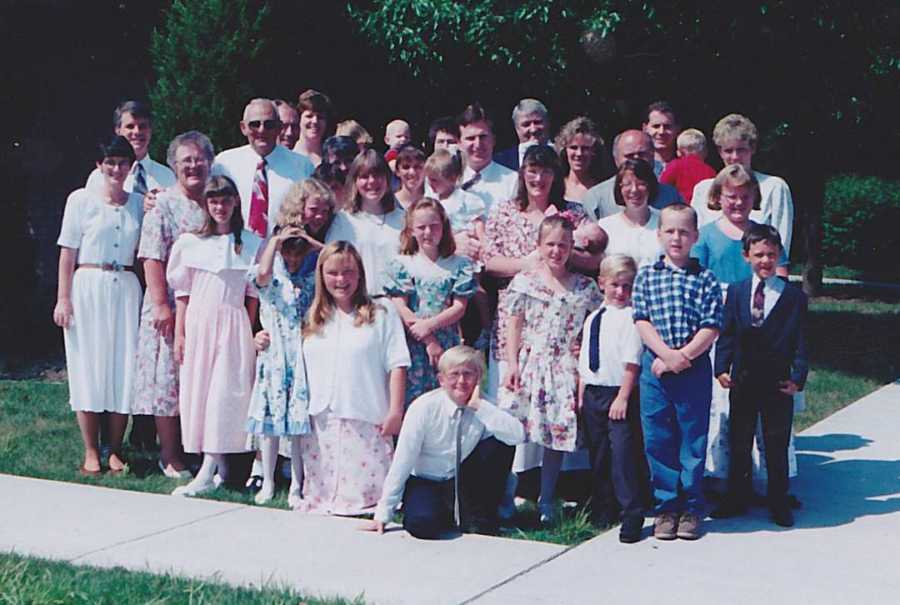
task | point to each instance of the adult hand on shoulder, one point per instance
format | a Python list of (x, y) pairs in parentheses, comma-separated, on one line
[(391, 423), (150, 200), (261, 341), (163, 320), (62, 314), (372, 525)]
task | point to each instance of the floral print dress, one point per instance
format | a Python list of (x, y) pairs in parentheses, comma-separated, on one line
[(156, 373), (548, 356), (429, 288), (282, 304)]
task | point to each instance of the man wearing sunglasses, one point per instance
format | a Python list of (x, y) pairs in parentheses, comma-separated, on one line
[(263, 170)]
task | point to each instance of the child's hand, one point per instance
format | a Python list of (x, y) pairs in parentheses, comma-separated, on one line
[(286, 234), (391, 423), (512, 380), (163, 321), (676, 361), (62, 314), (434, 350), (372, 525), (725, 380), (421, 329), (619, 409), (178, 349), (659, 367), (788, 387), (261, 341)]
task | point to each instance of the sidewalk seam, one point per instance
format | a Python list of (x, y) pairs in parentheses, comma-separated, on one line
[(519, 574), (153, 534)]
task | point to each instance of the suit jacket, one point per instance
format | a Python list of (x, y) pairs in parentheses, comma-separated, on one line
[(508, 157), (774, 351)]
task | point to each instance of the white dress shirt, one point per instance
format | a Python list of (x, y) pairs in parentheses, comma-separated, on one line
[(347, 366), (619, 341), (496, 184), (776, 207), (283, 169), (640, 242), (375, 236), (426, 447), (771, 293), (158, 176)]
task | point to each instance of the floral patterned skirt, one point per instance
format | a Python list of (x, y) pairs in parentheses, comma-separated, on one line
[(345, 463)]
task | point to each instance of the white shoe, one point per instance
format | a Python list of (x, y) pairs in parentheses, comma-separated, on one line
[(171, 473), (266, 494), (194, 488)]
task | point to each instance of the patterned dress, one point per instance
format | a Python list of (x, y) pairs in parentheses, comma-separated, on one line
[(282, 305), (429, 288), (156, 374), (548, 356)]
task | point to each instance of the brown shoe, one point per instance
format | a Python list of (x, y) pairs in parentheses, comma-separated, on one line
[(688, 526), (665, 526)]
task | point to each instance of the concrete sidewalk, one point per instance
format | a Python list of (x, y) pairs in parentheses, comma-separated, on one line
[(844, 549)]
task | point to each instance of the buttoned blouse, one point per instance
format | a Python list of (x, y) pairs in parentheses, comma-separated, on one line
[(102, 233), (347, 366)]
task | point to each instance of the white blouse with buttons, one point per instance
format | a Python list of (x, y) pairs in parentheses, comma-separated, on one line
[(102, 233)]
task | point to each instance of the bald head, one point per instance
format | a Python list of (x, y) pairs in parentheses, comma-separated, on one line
[(633, 145), (262, 105)]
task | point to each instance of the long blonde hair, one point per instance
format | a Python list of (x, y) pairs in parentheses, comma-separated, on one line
[(322, 308)]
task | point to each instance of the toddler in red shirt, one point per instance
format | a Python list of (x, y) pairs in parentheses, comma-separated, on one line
[(689, 168)]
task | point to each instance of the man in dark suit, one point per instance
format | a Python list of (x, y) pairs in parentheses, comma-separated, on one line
[(761, 356), (532, 123)]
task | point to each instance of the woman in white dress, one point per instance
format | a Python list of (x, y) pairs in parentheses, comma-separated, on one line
[(633, 231), (99, 302)]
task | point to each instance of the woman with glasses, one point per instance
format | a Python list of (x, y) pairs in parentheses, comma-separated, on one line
[(178, 210), (98, 302)]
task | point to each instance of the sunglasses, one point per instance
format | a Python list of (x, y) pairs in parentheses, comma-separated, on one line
[(266, 124)]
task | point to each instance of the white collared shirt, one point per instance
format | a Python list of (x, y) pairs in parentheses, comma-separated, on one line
[(619, 344), (347, 366), (283, 169), (426, 447), (639, 242), (771, 291), (158, 176), (497, 184)]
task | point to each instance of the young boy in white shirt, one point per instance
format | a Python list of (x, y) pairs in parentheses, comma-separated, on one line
[(452, 443), (609, 368)]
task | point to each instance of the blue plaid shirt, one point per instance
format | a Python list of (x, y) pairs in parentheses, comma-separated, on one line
[(678, 302)]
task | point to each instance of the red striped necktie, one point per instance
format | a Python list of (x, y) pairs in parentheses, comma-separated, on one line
[(259, 201)]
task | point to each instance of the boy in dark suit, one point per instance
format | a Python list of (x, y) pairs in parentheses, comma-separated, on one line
[(761, 357)]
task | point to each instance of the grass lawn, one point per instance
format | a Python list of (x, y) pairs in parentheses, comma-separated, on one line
[(854, 344), (42, 582)]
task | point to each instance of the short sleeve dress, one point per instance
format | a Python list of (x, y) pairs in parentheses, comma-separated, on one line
[(282, 304), (429, 288), (548, 356), (101, 341), (156, 374)]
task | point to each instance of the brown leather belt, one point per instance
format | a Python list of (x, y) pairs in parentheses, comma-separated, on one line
[(107, 267)]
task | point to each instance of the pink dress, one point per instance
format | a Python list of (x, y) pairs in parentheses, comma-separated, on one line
[(216, 376)]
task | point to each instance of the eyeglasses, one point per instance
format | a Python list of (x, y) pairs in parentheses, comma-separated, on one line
[(266, 124), (193, 161)]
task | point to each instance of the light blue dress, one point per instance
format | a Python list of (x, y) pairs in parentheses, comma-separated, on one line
[(282, 305), (429, 288)]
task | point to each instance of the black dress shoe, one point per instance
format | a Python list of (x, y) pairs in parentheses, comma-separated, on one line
[(253, 485), (783, 516), (630, 532), (728, 509)]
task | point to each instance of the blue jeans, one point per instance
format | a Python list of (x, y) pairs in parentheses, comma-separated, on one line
[(675, 419)]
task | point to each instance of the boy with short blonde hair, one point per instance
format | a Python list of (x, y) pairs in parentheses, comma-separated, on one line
[(452, 457), (678, 313), (690, 167)]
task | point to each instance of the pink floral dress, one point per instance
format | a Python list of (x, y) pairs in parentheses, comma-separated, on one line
[(156, 374), (548, 357), (509, 233)]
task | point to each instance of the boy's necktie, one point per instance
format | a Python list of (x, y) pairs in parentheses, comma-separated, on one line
[(757, 312), (594, 342), (259, 201)]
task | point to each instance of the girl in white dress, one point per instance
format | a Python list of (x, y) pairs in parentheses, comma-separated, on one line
[(98, 305), (350, 376), (372, 218)]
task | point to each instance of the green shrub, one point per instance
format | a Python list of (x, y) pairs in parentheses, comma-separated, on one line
[(861, 223)]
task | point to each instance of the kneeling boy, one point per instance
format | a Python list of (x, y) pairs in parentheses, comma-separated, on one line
[(452, 456)]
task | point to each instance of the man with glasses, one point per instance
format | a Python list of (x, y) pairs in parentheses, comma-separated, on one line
[(132, 120), (263, 170), (599, 200)]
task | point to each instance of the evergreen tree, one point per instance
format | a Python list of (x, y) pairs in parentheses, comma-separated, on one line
[(203, 57)]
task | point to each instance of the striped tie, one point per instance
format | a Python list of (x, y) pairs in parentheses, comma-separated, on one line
[(140, 180), (259, 201)]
